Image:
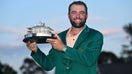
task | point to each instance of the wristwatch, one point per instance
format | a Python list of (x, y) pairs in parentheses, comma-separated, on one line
[(64, 48)]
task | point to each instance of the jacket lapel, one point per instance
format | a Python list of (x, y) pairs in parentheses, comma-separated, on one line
[(63, 36), (83, 35)]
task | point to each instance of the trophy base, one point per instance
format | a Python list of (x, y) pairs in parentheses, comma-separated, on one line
[(37, 39)]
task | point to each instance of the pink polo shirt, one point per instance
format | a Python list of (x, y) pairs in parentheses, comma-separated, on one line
[(71, 39)]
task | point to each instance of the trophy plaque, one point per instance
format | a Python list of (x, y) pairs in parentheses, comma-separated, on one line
[(38, 33)]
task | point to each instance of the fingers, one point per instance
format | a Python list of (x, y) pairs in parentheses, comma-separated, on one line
[(57, 37), (56, 43), (29, 43), (50, 40), (31, 46)]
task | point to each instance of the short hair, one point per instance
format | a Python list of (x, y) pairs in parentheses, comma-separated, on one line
[(77, 3)]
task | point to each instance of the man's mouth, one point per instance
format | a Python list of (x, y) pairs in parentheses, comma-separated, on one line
[(77, 20)]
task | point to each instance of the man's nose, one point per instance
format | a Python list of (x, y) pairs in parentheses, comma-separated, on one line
[(78, 15)]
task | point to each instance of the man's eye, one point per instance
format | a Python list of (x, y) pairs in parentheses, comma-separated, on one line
[(82, 12), (73, 12)]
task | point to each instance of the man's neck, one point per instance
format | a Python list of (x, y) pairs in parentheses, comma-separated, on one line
[(75, 31)]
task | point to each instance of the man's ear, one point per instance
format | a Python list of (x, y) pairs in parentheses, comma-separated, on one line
[(68, 15), (87, 16)]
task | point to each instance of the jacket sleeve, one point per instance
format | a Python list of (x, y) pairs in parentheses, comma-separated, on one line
[(87, 53), (45, 61)]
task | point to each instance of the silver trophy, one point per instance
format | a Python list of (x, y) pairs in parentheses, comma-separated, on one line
[(38, 33)]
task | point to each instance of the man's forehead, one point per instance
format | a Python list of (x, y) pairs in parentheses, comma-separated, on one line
[(77, 7)]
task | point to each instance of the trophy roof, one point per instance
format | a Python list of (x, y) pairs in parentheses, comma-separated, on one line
[(40, 27)]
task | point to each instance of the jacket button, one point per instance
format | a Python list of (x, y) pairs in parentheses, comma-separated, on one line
[(67, 68)]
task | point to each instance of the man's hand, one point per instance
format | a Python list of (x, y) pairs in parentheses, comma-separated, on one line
[(32, 46), (56, 43)]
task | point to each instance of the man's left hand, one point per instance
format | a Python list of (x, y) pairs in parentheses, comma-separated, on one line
[(56, 42)]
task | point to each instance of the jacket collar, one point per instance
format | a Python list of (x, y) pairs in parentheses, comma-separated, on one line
[(80, 39), (83, 35)]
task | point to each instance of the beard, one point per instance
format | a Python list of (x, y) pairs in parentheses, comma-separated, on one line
[(79, 25)]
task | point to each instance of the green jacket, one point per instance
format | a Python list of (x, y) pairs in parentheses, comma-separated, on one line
[(81, 59)]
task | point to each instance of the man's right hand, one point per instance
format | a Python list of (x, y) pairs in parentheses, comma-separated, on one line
[(32, 46)]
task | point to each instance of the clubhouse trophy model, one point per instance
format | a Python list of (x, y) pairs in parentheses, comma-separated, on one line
[(38, 33)]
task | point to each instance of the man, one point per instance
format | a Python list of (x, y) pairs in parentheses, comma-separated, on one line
[(74, 51)]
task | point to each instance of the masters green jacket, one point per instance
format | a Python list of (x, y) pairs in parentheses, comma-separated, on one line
[(81, 59)]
